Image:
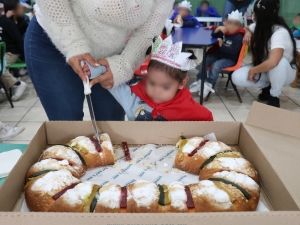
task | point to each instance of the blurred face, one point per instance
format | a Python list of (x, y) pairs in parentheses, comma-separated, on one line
[(19, 12), (233, 26), (160, 87), (204, 7), (183, 12), (297, 21)]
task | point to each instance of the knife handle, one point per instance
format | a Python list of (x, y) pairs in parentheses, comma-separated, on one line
[(95, 72)]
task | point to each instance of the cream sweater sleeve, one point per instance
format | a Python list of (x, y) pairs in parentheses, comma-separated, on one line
[(134, 54), (61, 25)]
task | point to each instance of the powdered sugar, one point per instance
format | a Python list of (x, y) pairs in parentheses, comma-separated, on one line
[(52, 182), (108, 145), (216, 196), (230, 163), (66, 153), (144, 193), (192, 144), (238, 178), (110, 195), (53, 164), (78, 194), (85, 143), (177, 195)]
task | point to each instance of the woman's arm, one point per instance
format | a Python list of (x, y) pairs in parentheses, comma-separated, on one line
[(122, 66), (276, 55)]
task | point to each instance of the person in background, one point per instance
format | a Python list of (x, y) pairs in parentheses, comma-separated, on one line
[(230, 39), (8, 131), (296, 27), (27, 10), (232, 5), (162, 95), (274, 53), (15, 11), (183, 16), (175, 9), (206, 10), (14, 51)]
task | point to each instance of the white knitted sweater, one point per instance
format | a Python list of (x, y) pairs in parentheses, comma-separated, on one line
[(101, 27)]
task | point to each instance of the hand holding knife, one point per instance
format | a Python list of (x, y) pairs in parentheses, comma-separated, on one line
[(95, 72)]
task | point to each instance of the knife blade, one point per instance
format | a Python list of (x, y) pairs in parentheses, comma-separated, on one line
[(95, 72)]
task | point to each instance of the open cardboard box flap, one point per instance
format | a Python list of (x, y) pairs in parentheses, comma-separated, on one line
[(276, 132), (272, 150)]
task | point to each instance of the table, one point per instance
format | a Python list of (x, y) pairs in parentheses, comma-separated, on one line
[(294, 84), (8, 147), (196, 38), (209, 20)]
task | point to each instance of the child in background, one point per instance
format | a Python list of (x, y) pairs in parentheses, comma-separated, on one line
[(15, 11), (183, 16), (205, 10), (162, 95), (230, 39), (296, 27), (14, 51)]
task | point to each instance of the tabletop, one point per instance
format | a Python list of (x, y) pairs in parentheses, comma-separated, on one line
[(194, 37), (209, 19)]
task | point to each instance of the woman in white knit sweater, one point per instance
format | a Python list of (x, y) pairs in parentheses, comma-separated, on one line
[(65, 32)]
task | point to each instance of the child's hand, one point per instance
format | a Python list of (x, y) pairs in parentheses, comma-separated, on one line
[(220, 42), (222, 29)]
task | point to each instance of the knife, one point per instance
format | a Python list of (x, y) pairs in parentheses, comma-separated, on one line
[(95, 72)]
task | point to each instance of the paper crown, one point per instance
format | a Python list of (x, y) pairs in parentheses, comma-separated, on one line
[(185, 4), (236, 15), (170, 54)]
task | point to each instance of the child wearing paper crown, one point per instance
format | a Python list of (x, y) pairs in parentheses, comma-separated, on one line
[(296, 27), (183, 16), (162, 95), (230, 37)]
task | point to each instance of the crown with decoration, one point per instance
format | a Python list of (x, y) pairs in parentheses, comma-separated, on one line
[(170, 54), (236, 15), (185, 4)]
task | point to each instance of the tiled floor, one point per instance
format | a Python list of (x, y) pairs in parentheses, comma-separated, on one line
[(28, 112)]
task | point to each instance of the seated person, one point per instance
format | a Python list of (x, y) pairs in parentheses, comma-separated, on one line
[(205, 10), (183, 16), (296, 27), (162, 95), (230, 39), (15, 11), (14, 51)]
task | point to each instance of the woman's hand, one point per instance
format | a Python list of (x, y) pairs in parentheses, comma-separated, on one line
[(106, 80), (75, 63), (247, 38), (251, 75)]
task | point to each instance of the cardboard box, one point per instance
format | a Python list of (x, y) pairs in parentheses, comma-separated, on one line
[(270, 139)]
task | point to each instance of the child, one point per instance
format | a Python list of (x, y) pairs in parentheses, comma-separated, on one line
[(14, 50), (230, 39), (162, 95), (15, 11), (183, 16), (205, 10), (296, 27)]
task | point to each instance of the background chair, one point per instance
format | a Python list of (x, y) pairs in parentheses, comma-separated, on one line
[(2, 54), (230, 70)]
